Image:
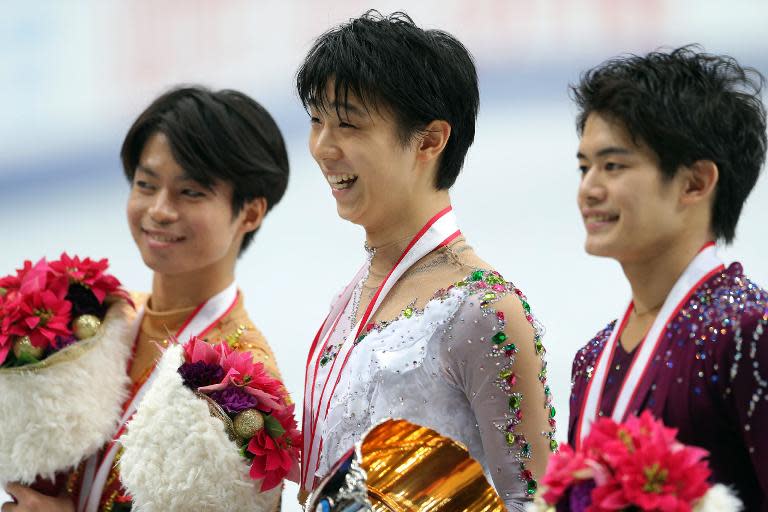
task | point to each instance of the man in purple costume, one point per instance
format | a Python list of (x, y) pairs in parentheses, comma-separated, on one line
[(671, 146)]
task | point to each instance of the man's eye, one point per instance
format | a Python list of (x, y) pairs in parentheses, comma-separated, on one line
[(142, 185), (613, 166), (192, 193), (314, 120), (342, 124)]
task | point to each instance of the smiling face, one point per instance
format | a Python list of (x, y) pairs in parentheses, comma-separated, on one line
[(179, 225), (372, 175), (630, 211)]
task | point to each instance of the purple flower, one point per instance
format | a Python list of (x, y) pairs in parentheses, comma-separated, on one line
[(64, 341), (200, 374), (234, 399), (580, 496)]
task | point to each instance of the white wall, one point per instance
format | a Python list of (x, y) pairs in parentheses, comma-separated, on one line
[(74, 74)]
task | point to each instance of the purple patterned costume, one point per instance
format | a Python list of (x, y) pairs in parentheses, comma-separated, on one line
[(708, 379)]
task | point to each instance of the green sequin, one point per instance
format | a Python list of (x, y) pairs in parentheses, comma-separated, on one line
[(553, 445), (510, 348), (526, 307), (532, 486), (499, 338), (477, 275), (492, 279), (526, 451), (408, 312), (551, 411), (489, 296), (505, 373), (510, 437), (539, 346), (514, 401)]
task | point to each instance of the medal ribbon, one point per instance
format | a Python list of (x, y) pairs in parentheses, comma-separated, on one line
[(699, 270), (439, 231)]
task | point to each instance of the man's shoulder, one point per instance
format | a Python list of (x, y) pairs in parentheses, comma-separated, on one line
[(731, 298), (586, 356)]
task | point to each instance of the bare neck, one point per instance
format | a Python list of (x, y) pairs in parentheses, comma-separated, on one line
[(653, 277), (390, 240), (171, 292)]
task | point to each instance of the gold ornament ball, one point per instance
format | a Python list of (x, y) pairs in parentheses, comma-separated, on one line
[(85, 326), (23, 347), (248, 423)]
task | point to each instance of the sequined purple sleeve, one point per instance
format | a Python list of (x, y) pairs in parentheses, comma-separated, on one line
[(496, 358), (745, 387), (583, 366)]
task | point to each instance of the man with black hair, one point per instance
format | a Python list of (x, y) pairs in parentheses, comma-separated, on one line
[(204, 167), (671, 145), (426, 331)]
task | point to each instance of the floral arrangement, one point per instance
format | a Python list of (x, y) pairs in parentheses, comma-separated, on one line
[(48, 306), (635, 465), (262, 417)]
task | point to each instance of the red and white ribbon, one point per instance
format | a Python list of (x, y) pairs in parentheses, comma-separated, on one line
[(699, 270), (439, 231), (199, 323)]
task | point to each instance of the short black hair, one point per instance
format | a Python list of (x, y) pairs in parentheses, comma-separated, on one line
[(687, 105), (419, 75), (216, 136)]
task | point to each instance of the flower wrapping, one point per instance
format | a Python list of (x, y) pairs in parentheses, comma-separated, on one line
[(177, 456), (57, 412), (635, 465)]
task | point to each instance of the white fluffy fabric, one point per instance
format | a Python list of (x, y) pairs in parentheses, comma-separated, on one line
[(719, 498), (178, 457), (54, 417)]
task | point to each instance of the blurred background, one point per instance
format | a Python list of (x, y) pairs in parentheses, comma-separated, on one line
[(74, 75)]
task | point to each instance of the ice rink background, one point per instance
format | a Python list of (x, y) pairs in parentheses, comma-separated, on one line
[(73, 75)]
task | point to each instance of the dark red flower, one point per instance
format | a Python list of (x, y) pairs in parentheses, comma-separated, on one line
[(273, 459), (89, 273), (564, 468), (42, 316)]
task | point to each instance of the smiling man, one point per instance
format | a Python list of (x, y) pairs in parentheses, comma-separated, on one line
[(204, 169), (671, 146), (421, 331)]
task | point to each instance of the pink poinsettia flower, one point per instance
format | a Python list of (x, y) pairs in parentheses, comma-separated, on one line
[(242, 372), (272, 460), (608, 497), (197, 349), (563, 470), (42, 316), (665, 477), (90, 274), (292, 438)]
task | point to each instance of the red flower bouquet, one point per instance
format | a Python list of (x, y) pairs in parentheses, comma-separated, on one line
[(49, 305), (636, 465), (257, 404), (214, 431), (65, 339)]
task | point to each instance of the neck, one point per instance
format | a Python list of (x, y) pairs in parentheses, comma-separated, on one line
[(652, 278), (171, 292), (390, 240)]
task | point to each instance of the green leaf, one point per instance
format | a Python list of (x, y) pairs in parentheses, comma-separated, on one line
[(274, 428)]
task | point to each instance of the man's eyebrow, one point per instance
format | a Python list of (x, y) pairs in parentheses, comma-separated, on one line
[(610, 150), (183, 177), (146, 170)]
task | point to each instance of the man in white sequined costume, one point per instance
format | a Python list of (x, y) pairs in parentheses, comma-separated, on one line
[(426, 330)]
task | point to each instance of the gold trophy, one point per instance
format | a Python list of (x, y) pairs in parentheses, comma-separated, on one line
[(403, 467)]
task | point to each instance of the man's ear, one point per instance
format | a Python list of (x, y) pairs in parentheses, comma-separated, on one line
[(433, 140), (253, 213), (700, 182)]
